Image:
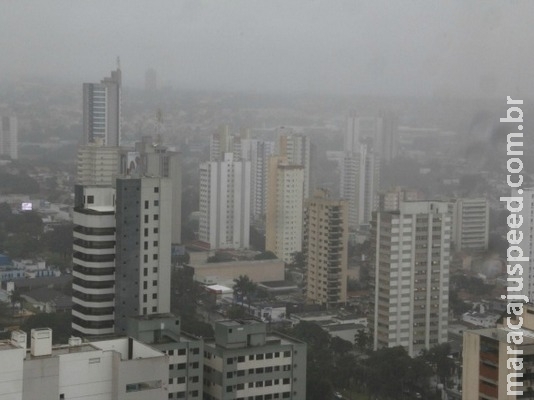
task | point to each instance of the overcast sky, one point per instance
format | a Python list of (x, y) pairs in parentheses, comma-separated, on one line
[(398, 47)]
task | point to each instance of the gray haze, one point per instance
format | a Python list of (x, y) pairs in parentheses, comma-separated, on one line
[(392, 47)]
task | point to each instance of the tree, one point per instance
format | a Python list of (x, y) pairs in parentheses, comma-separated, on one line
[(266, 255), (15, 298), (60, 323), (245, 288), (298, 260), (362, 340)]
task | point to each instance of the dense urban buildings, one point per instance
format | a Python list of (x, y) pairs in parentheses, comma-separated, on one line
[(225, 203), (325, 249), (285, 199), (411, 260), (245, 361), (102, 111), (527, 229), (9, 137)]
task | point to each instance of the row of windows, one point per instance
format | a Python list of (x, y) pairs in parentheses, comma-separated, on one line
[(259, 356), (241, 386)]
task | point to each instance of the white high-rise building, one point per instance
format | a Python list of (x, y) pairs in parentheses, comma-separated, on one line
[(225, 203), (360, 180), (379, 133), (284, 215), (93, 272), (9, 144), (98, 165), (121, 253), (296, 149), (411, 257), (470, 223), (102, 111), (143, 248)]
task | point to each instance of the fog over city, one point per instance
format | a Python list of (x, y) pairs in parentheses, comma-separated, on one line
[(474, 48)]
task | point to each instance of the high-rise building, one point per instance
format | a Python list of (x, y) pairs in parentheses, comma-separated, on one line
[(245, 361), (93, 272), (225, 203), (98, 165), (285, 196), (379, 133), (411, 257), (470, 223), (121, 253), (157, 160), (9, 144), (102, 111), (151, 80), (488, 357), (260, 152), (360, 180), (296, 150), (325, 246), (143, 248)]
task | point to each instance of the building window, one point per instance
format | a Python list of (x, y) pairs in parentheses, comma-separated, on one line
[(146, 204), (156, 217), (156, 203), (154, 296), (90, 200), (156, 189), (182, 352)]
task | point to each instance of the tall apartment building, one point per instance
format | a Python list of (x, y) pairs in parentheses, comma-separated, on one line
[(486, 353), (260, 152), (470, 223), (411, 257), (158, 160), (9, 144), (325, 247), (297, 151), (98, 165), (380, 133), (285, 193), (102, 111), (245, 361), (225, 203), (93, 258), (185, 353), (143, 248), (118, 368), (360, 181)]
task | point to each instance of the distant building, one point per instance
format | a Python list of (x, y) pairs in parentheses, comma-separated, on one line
[(225, 203), (9, 145), (102, 111), (411, 255), (245, 361), (297, 151), (380, 133), (151, 80), (390, 200), (98, 165), (526, 245), (470, 223), (325, 247), (118, 368), (285, 197), (360, 181)]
